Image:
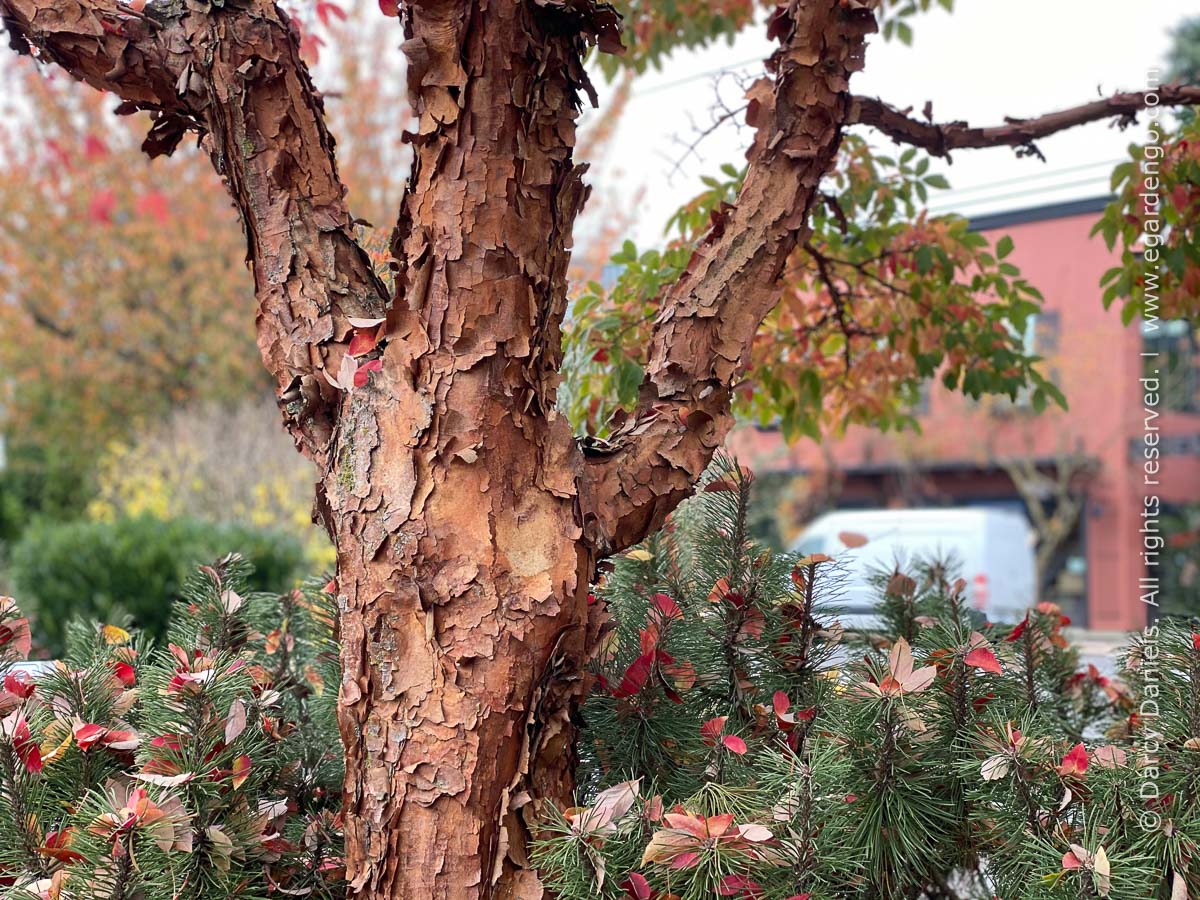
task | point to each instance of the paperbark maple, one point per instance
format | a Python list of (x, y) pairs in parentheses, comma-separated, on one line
[(468, 521)]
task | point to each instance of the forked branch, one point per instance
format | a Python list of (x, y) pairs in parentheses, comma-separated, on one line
[(703, 334)]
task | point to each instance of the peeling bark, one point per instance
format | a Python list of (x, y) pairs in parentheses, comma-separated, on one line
[(467, 522), (453, 503), (702, 335)]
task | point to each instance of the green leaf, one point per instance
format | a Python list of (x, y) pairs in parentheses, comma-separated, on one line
[(833, 344), (924, 258), (1004, 246)]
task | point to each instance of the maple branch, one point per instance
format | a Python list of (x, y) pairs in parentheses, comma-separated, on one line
[(704, 331), (234, 75), (938, 139)]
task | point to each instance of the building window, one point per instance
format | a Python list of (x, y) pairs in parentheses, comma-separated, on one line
[(1171, 352)]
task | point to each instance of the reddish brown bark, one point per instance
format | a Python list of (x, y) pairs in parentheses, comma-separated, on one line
[(703, 332), (453, 498), (468, 523)]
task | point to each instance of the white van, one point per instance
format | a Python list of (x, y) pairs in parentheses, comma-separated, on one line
[(993, 550)]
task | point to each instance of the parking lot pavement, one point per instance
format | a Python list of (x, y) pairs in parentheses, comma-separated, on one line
[(1100, 648)]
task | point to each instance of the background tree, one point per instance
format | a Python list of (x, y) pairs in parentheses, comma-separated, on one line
[(1055, 501), (468, 521), (123, 278)]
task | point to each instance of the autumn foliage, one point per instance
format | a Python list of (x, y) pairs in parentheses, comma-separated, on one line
[(125, 277)]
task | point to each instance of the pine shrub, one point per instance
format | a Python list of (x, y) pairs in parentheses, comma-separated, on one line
[(738, 743), (205, 768)]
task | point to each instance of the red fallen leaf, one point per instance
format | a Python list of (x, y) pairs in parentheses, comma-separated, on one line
[(852, 539), (780, 703), (19, 684), (734, 744), (125, 674), (637, 887), (390, 8), (635, 676), (331, 586), (1016, 633), (170, 741), (600, 356), (58, 845), (983, 658), (738, 886), (362, 373), (850, 798), (16, 729), (712, 729), (684, 861), (1071, 861), (88, 736), (1196, 641), (667, 607), (1075, 762), (364, 341)]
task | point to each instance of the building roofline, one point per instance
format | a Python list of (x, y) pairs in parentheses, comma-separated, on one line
[(1039, 213)]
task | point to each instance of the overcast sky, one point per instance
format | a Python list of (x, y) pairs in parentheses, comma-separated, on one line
[(980, 63)]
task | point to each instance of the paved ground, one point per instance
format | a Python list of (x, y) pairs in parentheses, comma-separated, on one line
[(1097, 647)]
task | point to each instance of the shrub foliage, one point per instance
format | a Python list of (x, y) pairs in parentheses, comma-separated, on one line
[(203, 768), (736, 742), (135, 567), (739, 743)]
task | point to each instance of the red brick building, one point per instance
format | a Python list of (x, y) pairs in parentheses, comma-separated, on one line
[(964, 452)]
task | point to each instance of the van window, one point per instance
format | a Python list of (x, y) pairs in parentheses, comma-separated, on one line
[(811, 545)]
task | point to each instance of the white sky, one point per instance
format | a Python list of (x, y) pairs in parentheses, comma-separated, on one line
[(980, 63)]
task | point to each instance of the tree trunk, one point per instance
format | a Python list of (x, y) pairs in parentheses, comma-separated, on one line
[(450, 489)]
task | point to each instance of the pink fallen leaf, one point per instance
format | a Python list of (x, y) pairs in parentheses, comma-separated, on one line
[(637, 887), (734, 744)]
